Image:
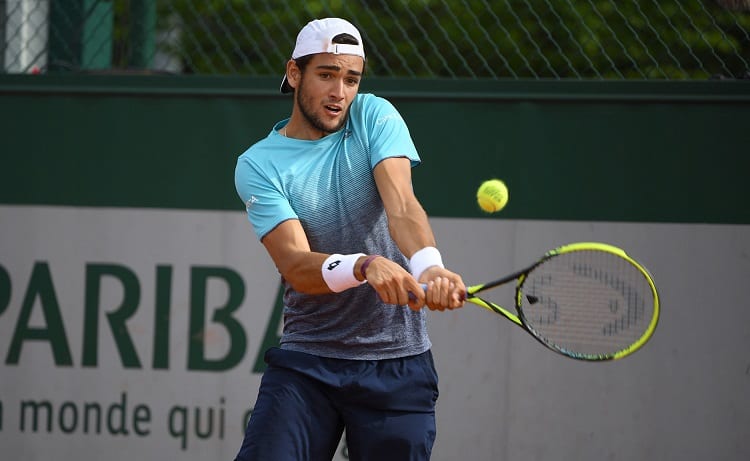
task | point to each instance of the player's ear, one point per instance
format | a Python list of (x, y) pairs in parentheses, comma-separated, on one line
[(293, 73)]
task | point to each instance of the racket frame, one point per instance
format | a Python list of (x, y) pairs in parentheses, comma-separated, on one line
[(520, 320)]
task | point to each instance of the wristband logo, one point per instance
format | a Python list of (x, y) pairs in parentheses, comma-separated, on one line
[(334, 265)]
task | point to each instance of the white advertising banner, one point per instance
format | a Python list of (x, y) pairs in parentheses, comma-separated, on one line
[(139, 333)]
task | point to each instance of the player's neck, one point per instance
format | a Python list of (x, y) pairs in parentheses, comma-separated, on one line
[(299, 130)]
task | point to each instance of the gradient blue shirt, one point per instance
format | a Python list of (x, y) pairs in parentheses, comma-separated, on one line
[(328, 185)]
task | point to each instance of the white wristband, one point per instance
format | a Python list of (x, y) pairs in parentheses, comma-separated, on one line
[(424, 259), (338, 272)]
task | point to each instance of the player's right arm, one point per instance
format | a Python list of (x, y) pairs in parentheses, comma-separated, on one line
[(289, 249), (276, 223)]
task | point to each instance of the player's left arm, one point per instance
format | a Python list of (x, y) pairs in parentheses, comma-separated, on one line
[(410, 228)]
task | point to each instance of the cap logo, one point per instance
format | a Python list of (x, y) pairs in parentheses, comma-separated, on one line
[(344, 48)]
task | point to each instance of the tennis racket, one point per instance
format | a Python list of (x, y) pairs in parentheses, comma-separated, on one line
[(587, 301)]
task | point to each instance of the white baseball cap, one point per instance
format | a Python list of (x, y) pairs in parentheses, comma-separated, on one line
[(316, 37)]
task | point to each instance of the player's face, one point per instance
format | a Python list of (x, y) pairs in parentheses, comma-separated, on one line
[(327, 88)]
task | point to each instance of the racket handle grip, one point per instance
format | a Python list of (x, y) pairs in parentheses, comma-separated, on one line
[(411, 295), (424, 287)]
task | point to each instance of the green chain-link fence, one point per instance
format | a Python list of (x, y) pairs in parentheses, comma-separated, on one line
[(536, 39)]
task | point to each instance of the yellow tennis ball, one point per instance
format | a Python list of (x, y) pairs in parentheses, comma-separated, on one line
[(492, 195)]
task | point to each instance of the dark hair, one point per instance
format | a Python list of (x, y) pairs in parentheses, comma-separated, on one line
[(343, 39)]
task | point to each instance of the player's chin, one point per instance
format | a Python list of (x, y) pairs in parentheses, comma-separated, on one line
[(337, 125)]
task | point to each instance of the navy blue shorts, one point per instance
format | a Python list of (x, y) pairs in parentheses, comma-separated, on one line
[(305, 402)]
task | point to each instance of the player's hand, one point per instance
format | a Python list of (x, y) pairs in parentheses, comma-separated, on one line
[(393, 284), (445, 289)]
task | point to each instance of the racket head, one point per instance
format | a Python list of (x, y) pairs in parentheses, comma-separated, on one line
[(588, 301)]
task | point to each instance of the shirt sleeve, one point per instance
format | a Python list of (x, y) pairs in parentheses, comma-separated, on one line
[(266, 204), (388, 134)]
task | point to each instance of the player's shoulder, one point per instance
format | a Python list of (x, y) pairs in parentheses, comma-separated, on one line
[(373, 110), (371, 102)]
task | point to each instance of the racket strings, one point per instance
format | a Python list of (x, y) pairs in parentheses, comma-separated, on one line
[(587, 303)]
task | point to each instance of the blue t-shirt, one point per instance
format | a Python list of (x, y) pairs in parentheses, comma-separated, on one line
[(328, 185)]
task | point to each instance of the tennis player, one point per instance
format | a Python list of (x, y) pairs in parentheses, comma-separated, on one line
[(329, 194)]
